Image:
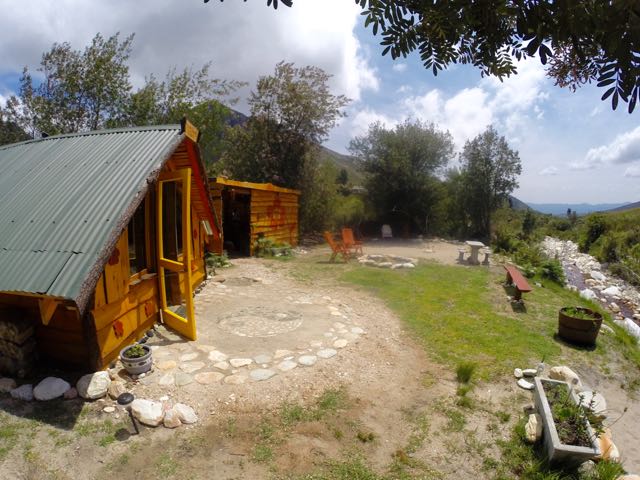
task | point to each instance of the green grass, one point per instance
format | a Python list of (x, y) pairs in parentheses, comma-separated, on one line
[(452, 310), (9, 435), (329, 402), (464, 371)]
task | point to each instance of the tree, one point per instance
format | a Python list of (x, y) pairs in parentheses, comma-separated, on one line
[(10, 132), (402, 166), (292, 112), (343, 177), (490, 171), (528, 223), (580, 41), (80, 90)]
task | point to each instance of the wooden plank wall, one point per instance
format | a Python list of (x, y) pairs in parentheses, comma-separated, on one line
[(62, 340), (274, 215)]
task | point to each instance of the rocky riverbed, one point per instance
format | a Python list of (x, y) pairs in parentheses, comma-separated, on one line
[(588, 276)]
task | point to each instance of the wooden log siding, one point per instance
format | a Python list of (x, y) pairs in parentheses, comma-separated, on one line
[(274, 211)]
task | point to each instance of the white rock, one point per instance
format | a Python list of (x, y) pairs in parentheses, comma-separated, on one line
[(612, 291), (171, 419), (341, 343), (326, 353), (7, 384), (287, 365), (109, 409), (148, 412), (529, 372), (307, 360), (240, 362), (50, 388), (533, 428), (185, 413), (522, 383), (93, 385), (222, 365), (614, 307), (217, 356), (517, 373), (594, 401), (23, 392), (631, 327), (588, 294), (260, 374), (596, 275), (116, 388), (565, 374)]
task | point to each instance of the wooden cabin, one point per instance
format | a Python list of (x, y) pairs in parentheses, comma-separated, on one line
[(102, 234), (248, 211)]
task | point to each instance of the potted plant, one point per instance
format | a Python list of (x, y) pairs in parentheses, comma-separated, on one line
[(570, 429), (136, 359), (579, 325)]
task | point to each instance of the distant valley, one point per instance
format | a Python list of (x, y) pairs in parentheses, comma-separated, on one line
[(580, 208)]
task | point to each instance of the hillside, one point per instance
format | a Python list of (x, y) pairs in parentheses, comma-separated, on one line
[(356, 177), (624, 208), (579, 208)]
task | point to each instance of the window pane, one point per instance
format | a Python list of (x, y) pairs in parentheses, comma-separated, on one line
[(137, 243)]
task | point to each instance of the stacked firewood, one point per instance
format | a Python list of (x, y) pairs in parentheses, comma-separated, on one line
[(17, 344)]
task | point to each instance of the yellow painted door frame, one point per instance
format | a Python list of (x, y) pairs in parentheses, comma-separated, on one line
[(185, 326)]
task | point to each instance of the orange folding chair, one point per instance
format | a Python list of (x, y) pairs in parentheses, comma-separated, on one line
[(337, 248), (350, 243)]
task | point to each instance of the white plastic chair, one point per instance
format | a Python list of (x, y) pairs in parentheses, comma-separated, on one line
[(386, 231)]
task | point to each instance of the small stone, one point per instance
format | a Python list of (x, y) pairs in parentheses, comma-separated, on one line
[(183, 379), (287, 365), (167, 365), (565, 374), (240, 362), (307, 360), (341, 343), (614, 307), (327, 353), (518, 373), (216, 356), (596, 275), (71, 394), (608, 450), (171, 419), (187, 357), (236, 379), (260, 374), (612, 291), (522, 383), (207, 378), (586, 469), (186, 414), (190, 367), (357, 330), (529, 372), (147, 412), (222, 365), (593, 401), (164, 398), (166, 380), (93, 385), (23, 392), (282, 353), (7, 384), (588, 294), (607, 329), (109, 409), (338, 325), (50, 388), (206, 348), (116, 388), (336, 313), (533, 428), (260, 359)]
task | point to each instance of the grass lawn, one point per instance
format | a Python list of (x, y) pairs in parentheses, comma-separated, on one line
[(463, 314)]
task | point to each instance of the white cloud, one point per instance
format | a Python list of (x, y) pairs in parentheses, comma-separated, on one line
[(361, 120), (549, 171), (625, 148), (632, 171), (242, 40), (399, 67)]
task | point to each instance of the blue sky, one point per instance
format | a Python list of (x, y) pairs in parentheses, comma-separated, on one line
[(572, 146)]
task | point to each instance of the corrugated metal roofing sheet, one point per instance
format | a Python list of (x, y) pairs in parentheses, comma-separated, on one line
[(62, 199)]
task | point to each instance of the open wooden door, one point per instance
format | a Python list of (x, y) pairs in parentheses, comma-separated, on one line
[(175, 252)]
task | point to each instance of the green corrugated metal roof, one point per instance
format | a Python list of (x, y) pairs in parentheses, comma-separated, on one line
[(64, 201)]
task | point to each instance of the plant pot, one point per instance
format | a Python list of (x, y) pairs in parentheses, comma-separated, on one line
[(569, 455), (579, 330), (138, 365)]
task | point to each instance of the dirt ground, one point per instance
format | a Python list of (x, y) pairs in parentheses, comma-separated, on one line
[(399, 407)]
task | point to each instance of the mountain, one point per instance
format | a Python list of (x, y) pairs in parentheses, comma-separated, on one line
[(517, 204), (579, 208), (624, 208), (354, 174)]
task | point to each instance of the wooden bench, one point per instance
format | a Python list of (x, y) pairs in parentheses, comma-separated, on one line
[(515, 278)]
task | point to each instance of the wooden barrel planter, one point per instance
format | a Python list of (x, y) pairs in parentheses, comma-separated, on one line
[(579, 325)]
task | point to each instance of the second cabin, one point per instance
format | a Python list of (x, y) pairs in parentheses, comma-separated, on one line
[(250, 211)]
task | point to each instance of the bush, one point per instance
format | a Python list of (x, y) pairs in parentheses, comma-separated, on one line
[(596, 225), (267, 248), (608, 249), (528, 255), (505, 242), (464, 371), (213, 260), (552, 270)]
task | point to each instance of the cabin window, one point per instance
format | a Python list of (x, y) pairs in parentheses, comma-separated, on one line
[(137, 241), (172, 220)]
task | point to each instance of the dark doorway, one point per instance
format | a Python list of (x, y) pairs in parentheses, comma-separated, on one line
[(236, 222)]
